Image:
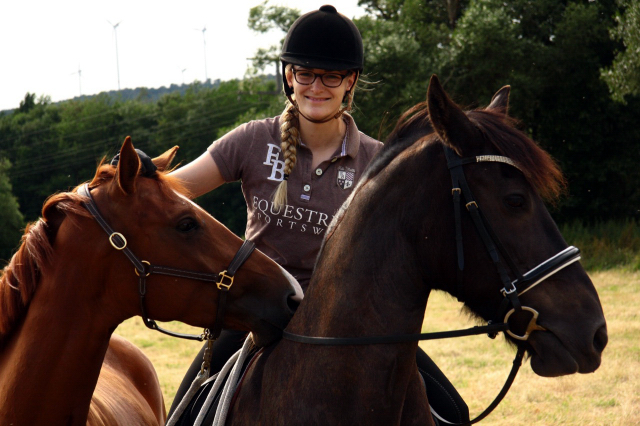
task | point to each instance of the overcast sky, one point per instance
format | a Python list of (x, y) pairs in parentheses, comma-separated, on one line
[(68, 47)]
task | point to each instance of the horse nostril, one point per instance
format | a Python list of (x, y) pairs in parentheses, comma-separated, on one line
[(600, 339)]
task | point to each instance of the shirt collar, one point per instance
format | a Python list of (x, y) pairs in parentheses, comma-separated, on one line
[(351, 142)]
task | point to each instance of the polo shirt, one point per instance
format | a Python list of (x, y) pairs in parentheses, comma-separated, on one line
[(292, 234)]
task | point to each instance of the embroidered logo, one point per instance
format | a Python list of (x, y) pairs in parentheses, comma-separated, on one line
[(277, 166), (346, 177)]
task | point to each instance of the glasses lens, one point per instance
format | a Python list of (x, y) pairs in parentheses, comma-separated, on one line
[(304, 77), (332, 80)]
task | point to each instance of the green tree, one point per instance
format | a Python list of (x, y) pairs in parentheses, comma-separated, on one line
[(550, 52), (623, 77), (11, 221)]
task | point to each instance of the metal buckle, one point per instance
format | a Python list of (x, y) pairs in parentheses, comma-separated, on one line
[(136, 269), (510, 291), (533, 325), (221, 284), (115, 246), (471, 203)]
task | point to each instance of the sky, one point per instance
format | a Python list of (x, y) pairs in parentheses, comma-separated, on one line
[(65, 48)]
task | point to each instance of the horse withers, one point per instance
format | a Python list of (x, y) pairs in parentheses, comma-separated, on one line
[(70, 284), (404, 233)]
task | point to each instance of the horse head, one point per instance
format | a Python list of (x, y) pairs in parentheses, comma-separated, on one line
[(508, 176), (153, 217)]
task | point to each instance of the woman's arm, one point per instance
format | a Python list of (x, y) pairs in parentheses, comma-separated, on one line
[(201, 175)]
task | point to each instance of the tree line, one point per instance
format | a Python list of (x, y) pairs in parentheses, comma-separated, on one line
[(571, 65)]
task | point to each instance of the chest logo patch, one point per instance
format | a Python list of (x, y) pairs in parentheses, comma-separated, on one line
[(346, 177)]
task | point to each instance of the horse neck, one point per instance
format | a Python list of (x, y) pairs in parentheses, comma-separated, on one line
[(372, 277), (53, 358)]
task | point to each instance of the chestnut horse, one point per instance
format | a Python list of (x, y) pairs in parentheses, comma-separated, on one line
[(394, 241), (67, 288)]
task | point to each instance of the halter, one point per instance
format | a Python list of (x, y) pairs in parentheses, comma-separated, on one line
[(223, 280), (510, 291)]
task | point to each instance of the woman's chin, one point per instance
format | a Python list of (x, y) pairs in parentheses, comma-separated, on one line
[(318, 112)]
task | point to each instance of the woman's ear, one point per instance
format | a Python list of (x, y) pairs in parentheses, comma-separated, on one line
[(351, 81), (289, 75)]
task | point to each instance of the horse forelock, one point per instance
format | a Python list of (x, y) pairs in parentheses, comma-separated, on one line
[(540, 169)]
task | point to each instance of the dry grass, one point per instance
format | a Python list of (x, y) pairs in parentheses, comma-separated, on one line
[(478, 365)]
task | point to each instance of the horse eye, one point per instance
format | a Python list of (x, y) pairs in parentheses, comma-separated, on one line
[(514, 201), (186, 225)]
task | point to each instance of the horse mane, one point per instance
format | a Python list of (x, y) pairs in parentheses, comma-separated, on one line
[(499, 129), (20, 277)]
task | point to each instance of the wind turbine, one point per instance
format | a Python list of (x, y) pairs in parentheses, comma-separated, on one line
[(204, 40), (79, 78), (115, 32)]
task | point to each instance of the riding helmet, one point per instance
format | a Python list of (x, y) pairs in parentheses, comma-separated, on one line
[(322, 39)]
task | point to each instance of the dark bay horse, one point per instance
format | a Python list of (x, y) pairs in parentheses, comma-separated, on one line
[(395, 240), (69, 286)]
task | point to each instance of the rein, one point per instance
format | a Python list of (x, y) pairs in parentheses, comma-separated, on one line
[(511, 289), (223, 280)]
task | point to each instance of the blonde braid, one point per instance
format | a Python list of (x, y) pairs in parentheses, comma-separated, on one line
[(290, 135)]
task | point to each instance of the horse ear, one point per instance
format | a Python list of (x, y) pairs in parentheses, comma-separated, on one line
[(128, 166), (448, 120), (500, 100), (164, 161)]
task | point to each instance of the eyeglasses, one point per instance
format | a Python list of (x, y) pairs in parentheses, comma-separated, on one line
[(329, 79)]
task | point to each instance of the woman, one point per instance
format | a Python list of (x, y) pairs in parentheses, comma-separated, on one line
[(296, 169)]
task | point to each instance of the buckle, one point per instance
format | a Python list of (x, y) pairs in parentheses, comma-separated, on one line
[(112, 240), (507, 292), (221, 284)]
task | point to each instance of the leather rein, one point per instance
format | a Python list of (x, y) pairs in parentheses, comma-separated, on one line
[(511, 289), (223, 280)]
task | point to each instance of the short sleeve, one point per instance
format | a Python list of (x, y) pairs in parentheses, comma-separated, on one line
[(229, 152)]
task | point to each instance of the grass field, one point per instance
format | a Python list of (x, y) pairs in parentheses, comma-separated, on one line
[(478, 365)]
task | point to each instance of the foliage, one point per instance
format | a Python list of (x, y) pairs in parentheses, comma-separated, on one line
[(623, 77), (264, 18), (550, 52), (11, 221), (55, 147)]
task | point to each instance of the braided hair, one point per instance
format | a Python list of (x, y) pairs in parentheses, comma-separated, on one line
[(290, 136)]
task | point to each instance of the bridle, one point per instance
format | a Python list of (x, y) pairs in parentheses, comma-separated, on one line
[(511, 289), (223, 280)]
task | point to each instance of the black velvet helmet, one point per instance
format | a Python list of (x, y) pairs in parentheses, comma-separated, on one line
[(322, 39)]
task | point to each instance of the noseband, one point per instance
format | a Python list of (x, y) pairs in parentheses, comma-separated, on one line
[(223, 280)]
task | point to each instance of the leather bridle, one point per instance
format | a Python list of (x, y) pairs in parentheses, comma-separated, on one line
[(223, 280), (511, 290)]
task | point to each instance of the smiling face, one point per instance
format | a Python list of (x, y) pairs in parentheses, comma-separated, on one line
[(316, 100)]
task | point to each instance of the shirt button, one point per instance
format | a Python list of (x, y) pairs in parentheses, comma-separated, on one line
[(333, 160), (319, 171), (307, 188)]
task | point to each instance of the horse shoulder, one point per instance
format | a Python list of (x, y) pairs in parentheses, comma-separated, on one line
[(128, 391)]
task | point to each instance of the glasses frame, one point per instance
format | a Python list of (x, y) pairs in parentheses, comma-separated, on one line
[(316, 75)]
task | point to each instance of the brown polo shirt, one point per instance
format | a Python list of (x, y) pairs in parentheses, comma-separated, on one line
[(290, 235)]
